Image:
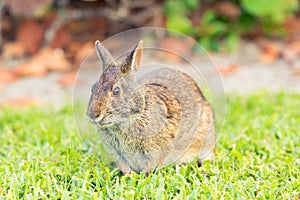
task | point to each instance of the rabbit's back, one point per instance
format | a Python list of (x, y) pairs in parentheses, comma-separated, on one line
[(194, 133)]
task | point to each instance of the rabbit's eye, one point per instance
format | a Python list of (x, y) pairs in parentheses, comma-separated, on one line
[(116, 91), (94, 87)]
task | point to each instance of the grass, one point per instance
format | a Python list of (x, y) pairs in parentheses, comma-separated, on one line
[(41, 156)]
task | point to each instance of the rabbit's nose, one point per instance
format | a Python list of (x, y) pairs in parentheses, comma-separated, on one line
[(92, 114)]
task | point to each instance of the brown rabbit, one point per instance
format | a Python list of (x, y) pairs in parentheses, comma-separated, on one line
[(151, 121)]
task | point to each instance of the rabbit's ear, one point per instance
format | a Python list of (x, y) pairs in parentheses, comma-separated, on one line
[(133, 59), (137, 56), (104, 55)]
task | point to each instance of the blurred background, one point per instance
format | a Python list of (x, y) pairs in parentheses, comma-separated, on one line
[(254, 44)]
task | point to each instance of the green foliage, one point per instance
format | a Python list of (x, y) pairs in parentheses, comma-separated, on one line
[(180, 23), (216, 31), (42, 157), (271, 14), (176, 10), (275, 10)]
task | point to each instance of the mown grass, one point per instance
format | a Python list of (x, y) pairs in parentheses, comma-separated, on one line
[(41, 156)]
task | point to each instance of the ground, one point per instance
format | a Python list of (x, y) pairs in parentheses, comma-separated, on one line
[(257, 157), (241, 72)]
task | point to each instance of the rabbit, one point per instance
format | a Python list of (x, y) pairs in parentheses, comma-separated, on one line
[(149, 122)]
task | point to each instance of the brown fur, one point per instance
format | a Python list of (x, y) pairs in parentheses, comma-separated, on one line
[(155, 120)]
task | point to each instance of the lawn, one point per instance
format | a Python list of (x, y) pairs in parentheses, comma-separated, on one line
[(258, 157)]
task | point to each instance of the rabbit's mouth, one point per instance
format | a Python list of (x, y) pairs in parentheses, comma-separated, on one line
[(105, 124), (101, 121)]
